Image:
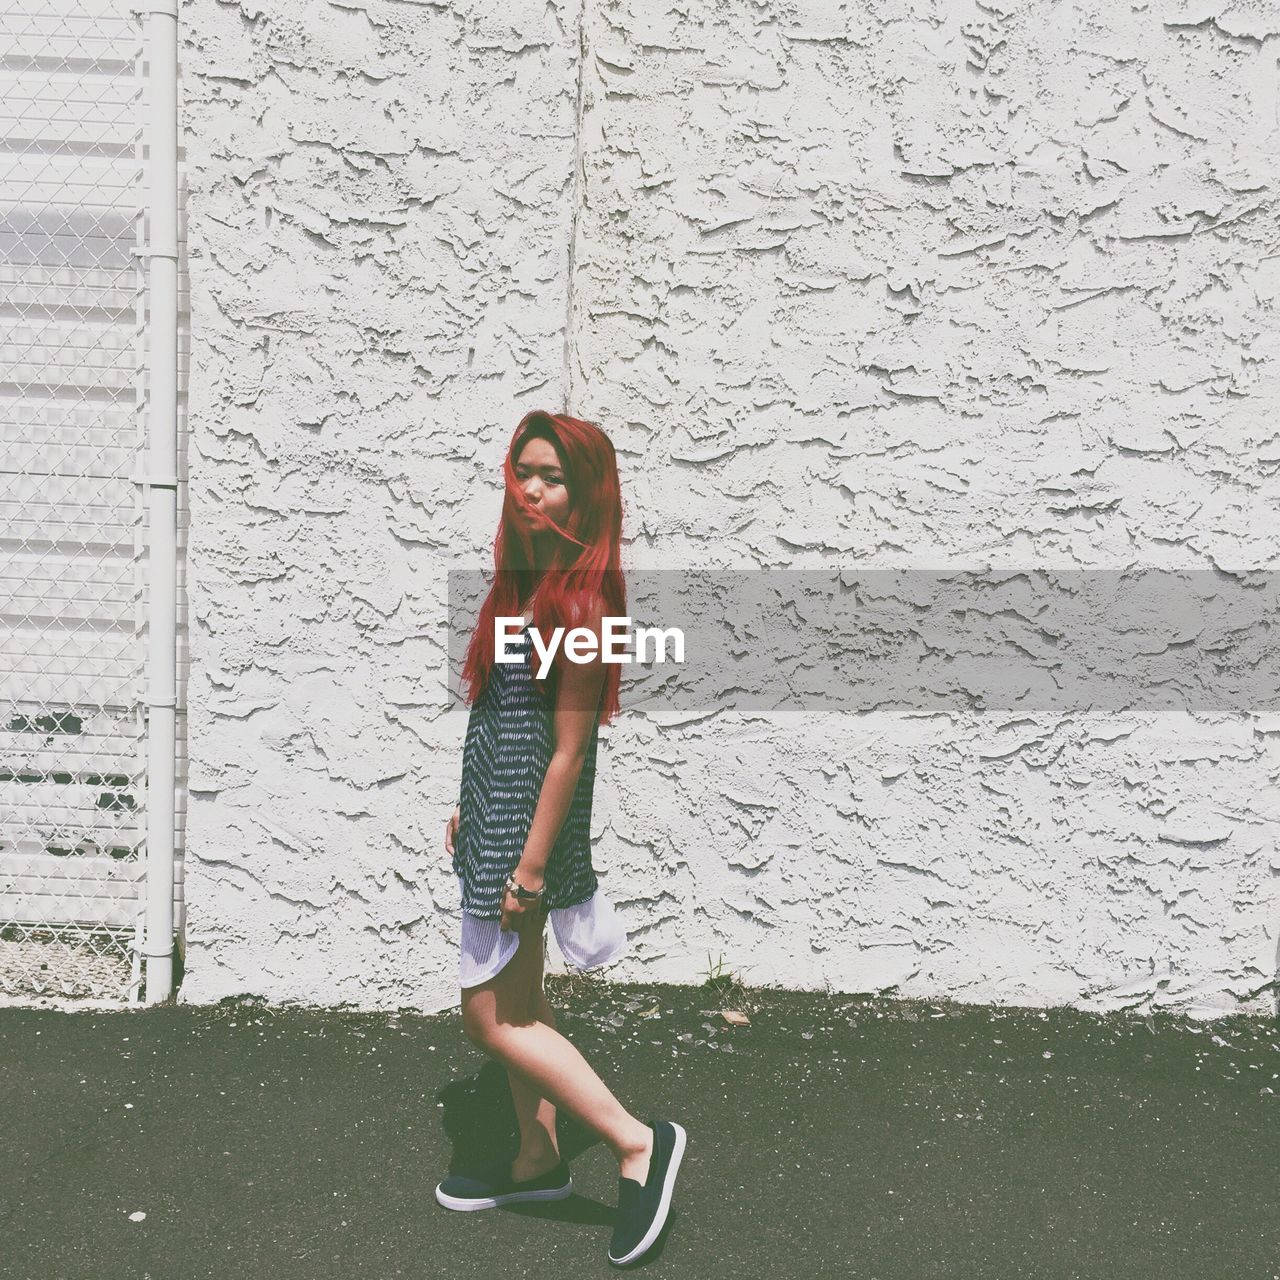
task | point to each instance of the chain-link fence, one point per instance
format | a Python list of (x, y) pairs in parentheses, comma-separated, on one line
[(72, 519)]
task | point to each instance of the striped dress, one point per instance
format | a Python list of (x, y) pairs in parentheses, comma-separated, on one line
[(509, 743)]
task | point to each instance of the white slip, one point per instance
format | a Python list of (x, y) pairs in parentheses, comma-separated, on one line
[(589, 934)]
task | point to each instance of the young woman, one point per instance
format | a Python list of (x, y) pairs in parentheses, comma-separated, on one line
[(520, 836)]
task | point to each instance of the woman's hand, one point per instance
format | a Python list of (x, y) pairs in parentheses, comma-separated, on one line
[(519, 912), (451, 829)]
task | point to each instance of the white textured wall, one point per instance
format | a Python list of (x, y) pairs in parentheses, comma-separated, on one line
[(380, 209), (903, 284)]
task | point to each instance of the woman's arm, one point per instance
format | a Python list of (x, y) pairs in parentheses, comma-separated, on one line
[(576, 709)]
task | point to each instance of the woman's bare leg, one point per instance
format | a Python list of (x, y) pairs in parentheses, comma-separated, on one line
[(536, 1115), (497, 1016)]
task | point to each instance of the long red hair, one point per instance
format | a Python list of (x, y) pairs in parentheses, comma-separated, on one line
[(585, 572)]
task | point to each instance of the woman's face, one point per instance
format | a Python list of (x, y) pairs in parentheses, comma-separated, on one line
[(540, 475)]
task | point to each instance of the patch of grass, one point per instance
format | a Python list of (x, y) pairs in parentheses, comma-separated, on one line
[(574, 984), (726, 986)]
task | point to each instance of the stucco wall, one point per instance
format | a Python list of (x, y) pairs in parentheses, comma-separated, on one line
[(380, 203), (906, 285)]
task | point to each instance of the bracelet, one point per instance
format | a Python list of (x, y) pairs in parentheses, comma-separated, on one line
[(521, 892)]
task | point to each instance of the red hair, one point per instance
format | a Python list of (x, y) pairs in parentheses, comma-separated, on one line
[(585, 574)]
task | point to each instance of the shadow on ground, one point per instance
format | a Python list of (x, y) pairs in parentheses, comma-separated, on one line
[(828, 1136)]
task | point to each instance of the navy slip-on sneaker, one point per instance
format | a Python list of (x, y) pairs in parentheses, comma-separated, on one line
[(643, 1208), (495, 1186)]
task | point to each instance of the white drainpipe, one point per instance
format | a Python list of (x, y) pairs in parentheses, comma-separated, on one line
[(161, 479)]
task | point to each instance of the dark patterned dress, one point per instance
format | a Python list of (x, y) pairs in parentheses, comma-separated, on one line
[(509, 743)]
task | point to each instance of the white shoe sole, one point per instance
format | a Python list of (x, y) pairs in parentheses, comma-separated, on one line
[(492, 1202), (664, 1204)]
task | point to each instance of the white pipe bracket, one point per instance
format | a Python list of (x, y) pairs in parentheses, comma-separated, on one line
[(155, 251), (155, 480)]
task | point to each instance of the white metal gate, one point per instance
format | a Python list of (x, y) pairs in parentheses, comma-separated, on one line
[(73, 517)]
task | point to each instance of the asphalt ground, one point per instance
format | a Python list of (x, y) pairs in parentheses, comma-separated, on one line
[(832, 1136)]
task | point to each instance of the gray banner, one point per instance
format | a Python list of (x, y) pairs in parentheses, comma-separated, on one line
[(1039, 640)]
